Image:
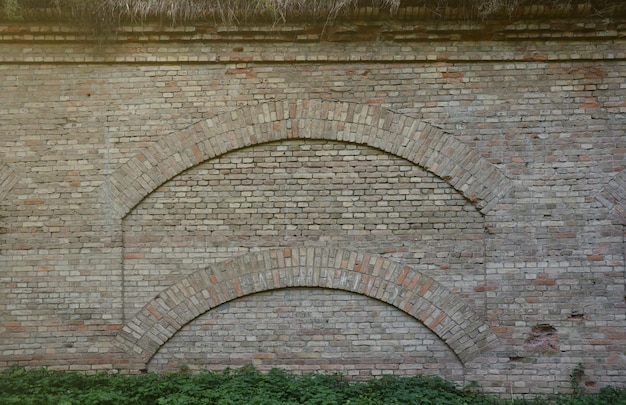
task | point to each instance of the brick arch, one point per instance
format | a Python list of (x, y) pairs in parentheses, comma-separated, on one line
[(416, 141), (613, 197), (421, 297), (8, 179)]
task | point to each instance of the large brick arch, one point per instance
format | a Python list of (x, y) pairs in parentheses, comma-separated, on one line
[(421, 297), (416, 141), (8, 179)]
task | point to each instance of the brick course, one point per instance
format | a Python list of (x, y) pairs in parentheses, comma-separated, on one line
[(156, 189)]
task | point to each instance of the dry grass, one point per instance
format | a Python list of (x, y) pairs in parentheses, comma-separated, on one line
[(238, 10), (489, 7), (105, 15)]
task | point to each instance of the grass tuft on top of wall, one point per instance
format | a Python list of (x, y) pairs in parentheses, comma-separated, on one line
[(108, 13), (101, 18)]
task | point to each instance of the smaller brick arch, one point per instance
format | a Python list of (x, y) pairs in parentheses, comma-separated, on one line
[(421, 297), (416, 141), (613, 197)]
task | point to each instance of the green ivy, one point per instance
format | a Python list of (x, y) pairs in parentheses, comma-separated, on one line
[(249, 386)]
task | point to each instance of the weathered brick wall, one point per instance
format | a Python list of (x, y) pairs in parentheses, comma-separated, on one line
[(310, 330), (302, 193), (458, 190)]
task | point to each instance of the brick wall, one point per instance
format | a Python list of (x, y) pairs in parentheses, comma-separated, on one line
[(302, 193), (185, 197), (310, 330)]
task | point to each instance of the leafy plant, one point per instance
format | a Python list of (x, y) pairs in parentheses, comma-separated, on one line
[(575, 379), (249, 386)]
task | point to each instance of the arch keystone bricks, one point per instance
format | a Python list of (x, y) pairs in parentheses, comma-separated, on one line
[(416, 141), (421, 297)]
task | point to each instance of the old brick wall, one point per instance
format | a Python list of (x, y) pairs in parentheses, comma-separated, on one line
[(432, 197), (310, 330), (302, 193)]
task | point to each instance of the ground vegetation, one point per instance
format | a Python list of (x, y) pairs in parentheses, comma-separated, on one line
[(249, 386)]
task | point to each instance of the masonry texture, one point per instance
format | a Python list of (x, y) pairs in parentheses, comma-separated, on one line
[(376, 197)]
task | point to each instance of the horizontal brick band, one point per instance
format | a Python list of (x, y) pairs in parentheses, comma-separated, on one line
[(421, 297)]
